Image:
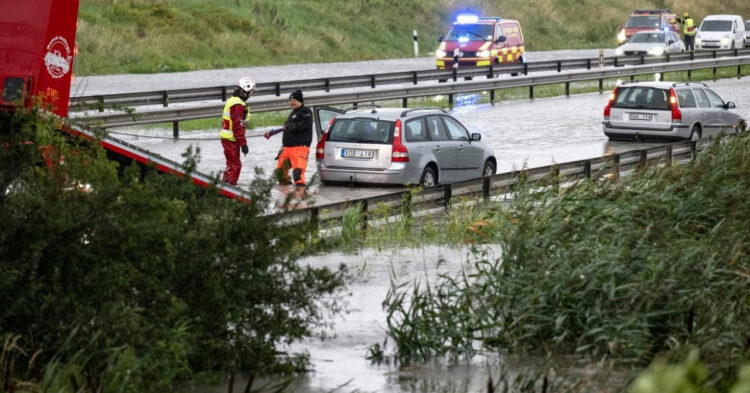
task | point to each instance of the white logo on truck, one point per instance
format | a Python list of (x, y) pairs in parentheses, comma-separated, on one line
[(58, 57)]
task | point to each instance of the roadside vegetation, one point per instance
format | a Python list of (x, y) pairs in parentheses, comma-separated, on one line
[(146, 36), (131, 281), (654, 266)]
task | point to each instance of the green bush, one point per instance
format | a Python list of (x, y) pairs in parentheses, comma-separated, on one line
[(184, 279)]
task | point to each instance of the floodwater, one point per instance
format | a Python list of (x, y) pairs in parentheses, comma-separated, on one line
[(522, 133)]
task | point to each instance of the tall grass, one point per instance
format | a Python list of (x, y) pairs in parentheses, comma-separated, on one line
[(655, 265), (143, 36)]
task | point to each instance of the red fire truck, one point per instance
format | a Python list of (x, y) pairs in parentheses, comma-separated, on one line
[(37, 66)]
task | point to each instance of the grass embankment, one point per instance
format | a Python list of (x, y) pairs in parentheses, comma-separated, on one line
[(144, 36), (654, 266)]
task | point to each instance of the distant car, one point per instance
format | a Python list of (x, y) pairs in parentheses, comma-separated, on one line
[(641, 20), (651, 43), (721, 32), (480, 42), (398, 146), (668, 111), (747, 32)]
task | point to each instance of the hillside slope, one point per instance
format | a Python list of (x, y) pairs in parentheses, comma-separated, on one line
[(144, 36)]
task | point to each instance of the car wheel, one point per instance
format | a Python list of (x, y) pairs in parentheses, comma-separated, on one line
[(695, 134), (741, 127), (489, 169), (429, 177)]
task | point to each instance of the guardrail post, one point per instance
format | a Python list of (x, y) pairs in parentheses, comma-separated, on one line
[(100, 104), (447, 195), (492, 96), (556, 178), (669, 156), (601, 86), (315, 217), (587, 169), (615, 61), (692, 55), (491, 71), (632, 78), (455, 74), (175, 129), (693, 150), (690, 74), (278, 89), (567, 89), (714, 55), (616, 166), (165, 98), (643, 162), (486, 181), (526, 68), (404, 103), (372, 81), (531, 92), (414, 77), (643, 59), (588, 64), (224, 93), (363, 207), (559, 66), (668, 60), (736, 52), (450, 99), (328, 85)]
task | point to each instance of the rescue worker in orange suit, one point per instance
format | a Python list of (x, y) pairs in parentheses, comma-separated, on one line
[(233, 127), (296, 138)]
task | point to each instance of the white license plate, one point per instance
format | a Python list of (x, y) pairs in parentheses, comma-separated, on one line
[(641, 116), (358, 153)]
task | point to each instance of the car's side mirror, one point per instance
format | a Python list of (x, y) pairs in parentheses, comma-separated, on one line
[(476, 136), (440, 39), (670, 42), (502, 38), (730, 105)]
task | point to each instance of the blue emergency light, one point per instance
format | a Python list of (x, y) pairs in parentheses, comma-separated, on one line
[(467, 18)]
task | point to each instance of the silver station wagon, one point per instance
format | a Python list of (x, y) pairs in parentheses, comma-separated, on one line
[(668, 111), (398, 146)]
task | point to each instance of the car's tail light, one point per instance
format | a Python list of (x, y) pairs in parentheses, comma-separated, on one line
[(400, 154), (676, 114), (608, 108), (320, 148)]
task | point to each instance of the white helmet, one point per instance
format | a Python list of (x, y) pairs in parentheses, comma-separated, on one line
[(246, 83)]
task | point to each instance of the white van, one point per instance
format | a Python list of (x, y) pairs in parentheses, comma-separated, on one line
[(721, 32)]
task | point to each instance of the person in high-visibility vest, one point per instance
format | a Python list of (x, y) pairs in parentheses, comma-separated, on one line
[(688, 31), (233, 126)]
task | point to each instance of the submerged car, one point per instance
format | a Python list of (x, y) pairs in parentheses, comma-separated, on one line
[(668, 111), (651, 43), (398, 146)]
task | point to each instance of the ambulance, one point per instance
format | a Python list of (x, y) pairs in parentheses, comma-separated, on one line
[(480, 41)]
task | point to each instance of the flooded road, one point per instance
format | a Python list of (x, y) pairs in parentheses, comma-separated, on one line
[(522, 132)]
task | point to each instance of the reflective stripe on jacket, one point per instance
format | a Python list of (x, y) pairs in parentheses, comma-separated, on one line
[(232, 127)]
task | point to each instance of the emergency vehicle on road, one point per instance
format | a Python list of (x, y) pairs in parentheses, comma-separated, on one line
[(477, 41), (641, 20)]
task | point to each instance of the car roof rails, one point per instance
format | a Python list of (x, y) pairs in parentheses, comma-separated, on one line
[(654, 11), (689, 84), (406, 112), (356, 107)]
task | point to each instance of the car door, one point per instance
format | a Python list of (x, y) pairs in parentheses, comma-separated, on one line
[(468, 156), (443, 149), (323, 117), (706, 114), (725, 120)]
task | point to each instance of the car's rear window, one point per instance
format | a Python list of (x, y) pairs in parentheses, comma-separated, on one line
[(642, 22), (642, 38), (640, 97), (361, 130), (685, 99), (716, 25)]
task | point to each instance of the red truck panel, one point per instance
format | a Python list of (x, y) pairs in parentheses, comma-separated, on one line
[(37, 50)]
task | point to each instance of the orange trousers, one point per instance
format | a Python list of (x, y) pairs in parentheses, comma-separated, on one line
[(295, 158)]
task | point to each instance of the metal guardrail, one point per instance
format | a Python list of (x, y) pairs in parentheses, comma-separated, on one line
[(611, 166), (165, 97), (263, 105)]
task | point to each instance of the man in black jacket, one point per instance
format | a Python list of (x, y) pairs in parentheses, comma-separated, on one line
[(296, 141)]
